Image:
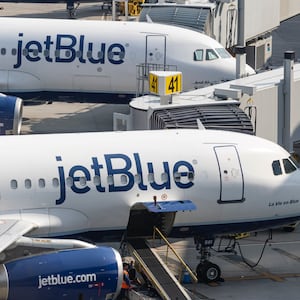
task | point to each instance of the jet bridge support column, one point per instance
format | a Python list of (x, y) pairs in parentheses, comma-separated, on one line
[(240, 52), (289, 57), (114, 9)]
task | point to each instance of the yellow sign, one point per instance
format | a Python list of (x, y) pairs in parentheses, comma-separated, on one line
[(173, 84), (165, 82), (153, 83)]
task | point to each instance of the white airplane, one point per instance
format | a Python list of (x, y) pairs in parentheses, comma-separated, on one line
[(104, 186), (81, 59)]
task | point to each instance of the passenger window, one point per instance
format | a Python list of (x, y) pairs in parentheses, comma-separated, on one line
[(3, 51), (46, 53), (177, 177), (68, 53), (164, 177), (69, 181), (82, 181), (55, 182), (100, 54), (211, 54), (78, 53), (110, 180), (35, 52), (151, 177), (137, 178), (42, 183), (276, 167), (198, 55), (97, 180), (288, 166), (27, 183), (14, 184), (124, 179), (191, 176), (89, 54)]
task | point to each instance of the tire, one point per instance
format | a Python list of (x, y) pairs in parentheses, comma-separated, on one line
[(208, 272)]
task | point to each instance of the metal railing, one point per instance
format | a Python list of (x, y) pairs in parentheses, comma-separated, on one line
[(183, 264)]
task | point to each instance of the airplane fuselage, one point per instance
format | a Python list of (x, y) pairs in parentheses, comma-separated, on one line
[(89, 183), (72, 56)]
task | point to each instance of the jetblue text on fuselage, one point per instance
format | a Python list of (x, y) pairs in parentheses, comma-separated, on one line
[(120, 173), (67, 48)]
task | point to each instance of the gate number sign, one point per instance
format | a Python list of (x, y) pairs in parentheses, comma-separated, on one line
[(165, 82)]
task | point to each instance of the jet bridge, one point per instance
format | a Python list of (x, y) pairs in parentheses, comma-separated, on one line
[(268, 101), (231, 22), (184, 112)]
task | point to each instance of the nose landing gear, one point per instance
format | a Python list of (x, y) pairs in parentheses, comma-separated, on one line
[(206, 271)]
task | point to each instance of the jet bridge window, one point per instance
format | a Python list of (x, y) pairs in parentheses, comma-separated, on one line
[(211, 54), (198, 55), (276, 168), (288, 166)]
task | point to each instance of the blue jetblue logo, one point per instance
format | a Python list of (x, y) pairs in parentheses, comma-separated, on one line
[(67, 48), (116, 165)]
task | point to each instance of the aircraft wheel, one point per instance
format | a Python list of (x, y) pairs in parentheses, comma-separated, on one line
[(208, 272)]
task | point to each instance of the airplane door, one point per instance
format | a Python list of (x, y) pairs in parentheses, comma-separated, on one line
[(231, 174), (156, 49)]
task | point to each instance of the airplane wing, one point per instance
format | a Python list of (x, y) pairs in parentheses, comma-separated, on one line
[(12, 230)]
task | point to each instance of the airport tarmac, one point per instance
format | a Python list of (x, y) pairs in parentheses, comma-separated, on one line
[(63, 117), (277, 275)]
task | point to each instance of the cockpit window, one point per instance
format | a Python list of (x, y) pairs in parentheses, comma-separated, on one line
[(276, 167), (288, 166), (211, 54), (295, 159), (198, 55), (223, 53)]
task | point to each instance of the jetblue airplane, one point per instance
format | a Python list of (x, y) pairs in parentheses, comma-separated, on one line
[(83, 59), (66, 189)]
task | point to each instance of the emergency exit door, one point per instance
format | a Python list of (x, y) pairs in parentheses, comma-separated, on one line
[(231, 174)]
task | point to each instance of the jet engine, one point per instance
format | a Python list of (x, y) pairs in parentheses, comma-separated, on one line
[(90, 273), (11, 109)]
